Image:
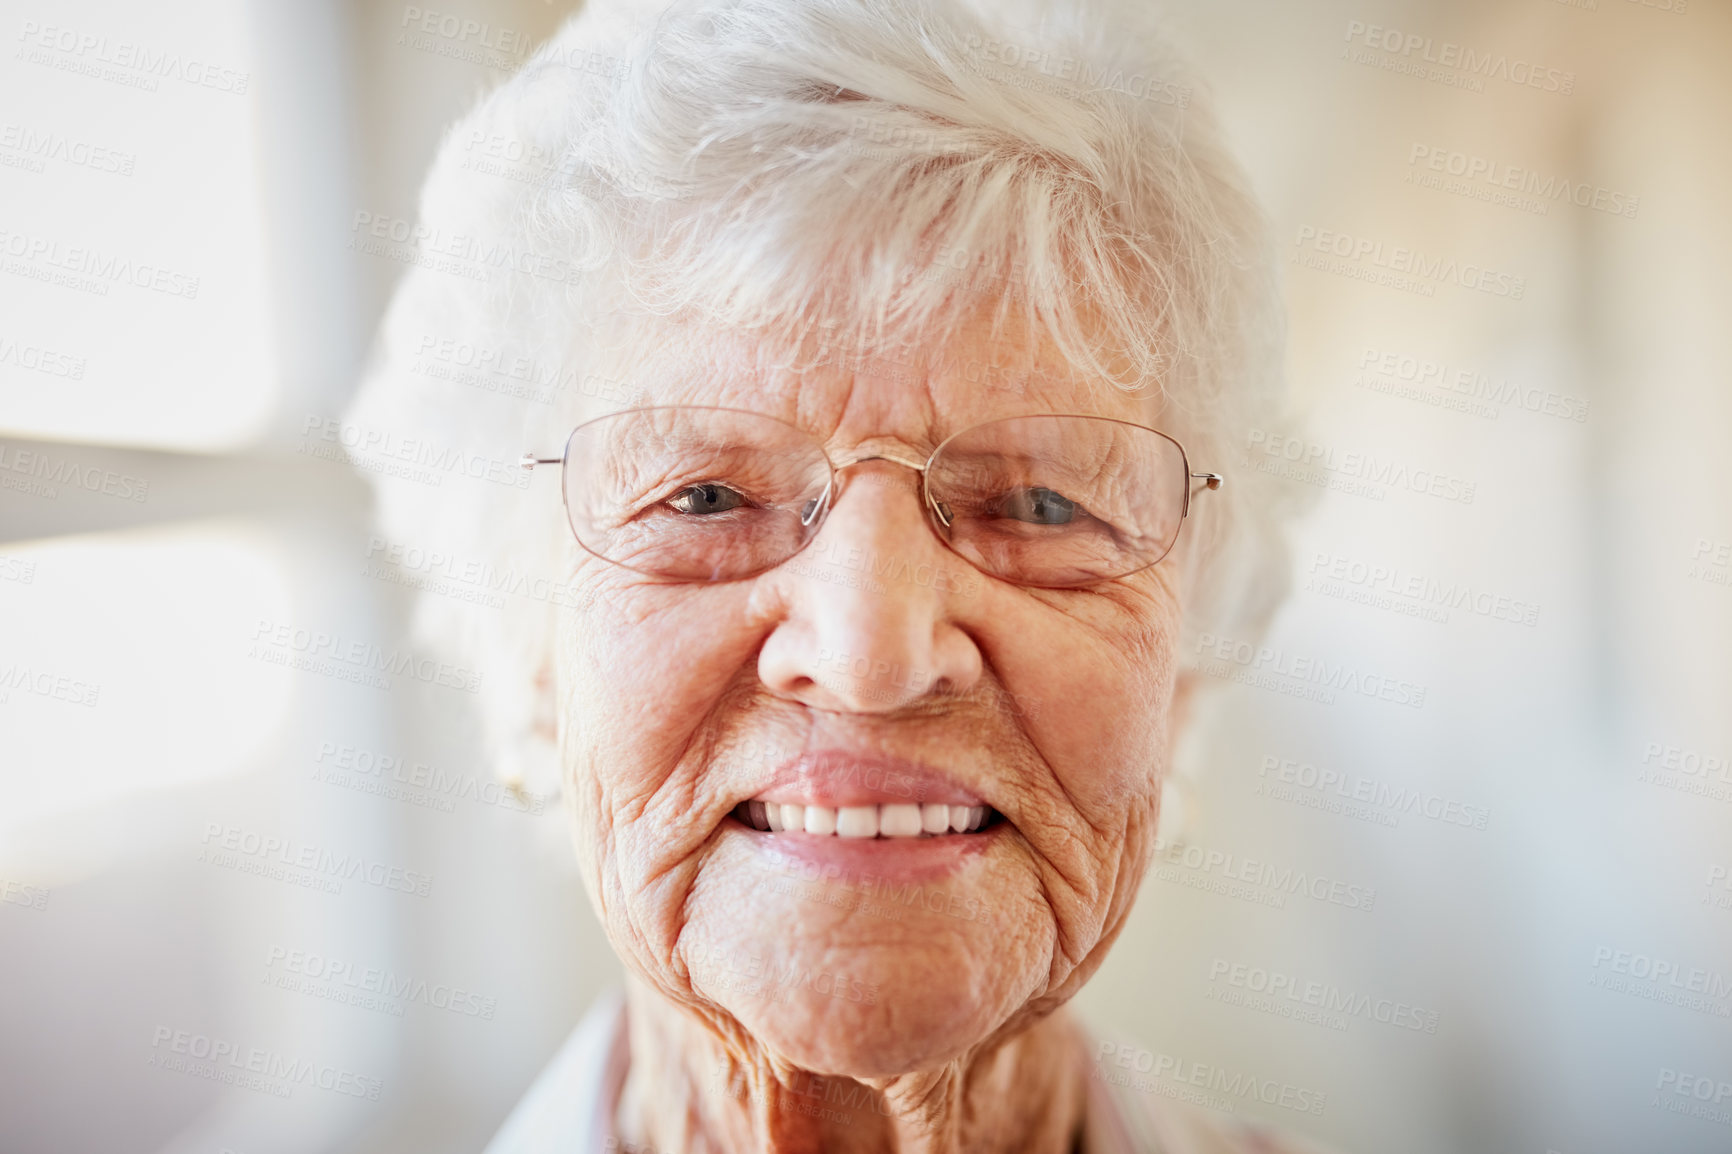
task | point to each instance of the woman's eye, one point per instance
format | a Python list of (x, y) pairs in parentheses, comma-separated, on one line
[(1039, 506), (706, 499)]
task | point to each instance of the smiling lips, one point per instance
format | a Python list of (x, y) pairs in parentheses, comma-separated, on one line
[(900, 820), (865, 796)]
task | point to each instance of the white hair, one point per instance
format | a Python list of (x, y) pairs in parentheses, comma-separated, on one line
[(829, 172)]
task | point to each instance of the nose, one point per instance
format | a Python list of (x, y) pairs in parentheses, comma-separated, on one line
[(870, 620)]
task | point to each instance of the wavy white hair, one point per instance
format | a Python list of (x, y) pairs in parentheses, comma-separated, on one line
[(820, 173)]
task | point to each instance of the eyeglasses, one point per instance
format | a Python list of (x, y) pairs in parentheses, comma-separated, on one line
[(703, 494)]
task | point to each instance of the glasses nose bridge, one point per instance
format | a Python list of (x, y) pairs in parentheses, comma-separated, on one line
[(905, 462), (821, 508)]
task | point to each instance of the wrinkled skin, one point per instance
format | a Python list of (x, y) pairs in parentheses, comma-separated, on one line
[(935, 1030)]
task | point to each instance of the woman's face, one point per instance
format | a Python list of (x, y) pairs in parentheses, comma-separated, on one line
[(875, 667)]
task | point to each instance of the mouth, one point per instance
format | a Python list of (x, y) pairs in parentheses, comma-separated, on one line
[(901, 820), (858, 796), (866, 819)]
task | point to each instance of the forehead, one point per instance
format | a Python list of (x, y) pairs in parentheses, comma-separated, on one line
[(851, 392)]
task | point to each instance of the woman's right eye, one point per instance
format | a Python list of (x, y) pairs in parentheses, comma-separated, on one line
[(706, 498)]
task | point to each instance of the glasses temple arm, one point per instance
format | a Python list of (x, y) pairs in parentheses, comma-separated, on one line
[(1209, 481)]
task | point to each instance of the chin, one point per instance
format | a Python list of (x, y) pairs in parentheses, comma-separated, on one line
[(898, 1024), (837, 983)]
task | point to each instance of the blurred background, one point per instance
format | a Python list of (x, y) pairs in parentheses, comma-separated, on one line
[(1508, 286)]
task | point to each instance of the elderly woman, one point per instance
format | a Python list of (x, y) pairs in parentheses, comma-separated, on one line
[(879, 352)]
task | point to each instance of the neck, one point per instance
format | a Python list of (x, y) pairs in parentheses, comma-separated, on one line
[(700, 1084)]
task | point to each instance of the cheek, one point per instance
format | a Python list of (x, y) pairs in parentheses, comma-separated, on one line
[(644, 674), (647, 678), (1098, 699), (647, 668)]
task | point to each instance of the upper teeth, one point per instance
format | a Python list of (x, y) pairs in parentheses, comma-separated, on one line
[(903, 820)]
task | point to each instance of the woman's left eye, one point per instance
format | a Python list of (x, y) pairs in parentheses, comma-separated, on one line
[(707, 498), (1037, 505)]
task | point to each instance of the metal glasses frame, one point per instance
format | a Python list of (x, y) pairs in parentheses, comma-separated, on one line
[(821, 506)]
